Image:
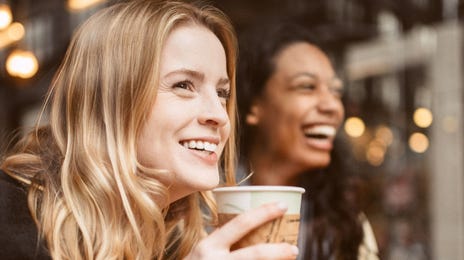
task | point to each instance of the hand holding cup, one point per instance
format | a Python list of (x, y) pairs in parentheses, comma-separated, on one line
[(218, 244), (232, 201)]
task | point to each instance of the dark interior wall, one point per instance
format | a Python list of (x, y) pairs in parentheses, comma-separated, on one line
[(337, 22)]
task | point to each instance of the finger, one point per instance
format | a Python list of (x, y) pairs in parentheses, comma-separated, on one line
[(241, 225), (267, 251)]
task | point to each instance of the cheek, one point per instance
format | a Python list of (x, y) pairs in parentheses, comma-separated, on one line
[(146, 147), (341, 113), (279, 118), (283, 107), (225, 134), (294, 111), (143, 149), (279, 125), (226, 131), (150, 139)]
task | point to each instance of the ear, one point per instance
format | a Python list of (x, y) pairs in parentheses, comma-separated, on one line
[(252, 117)]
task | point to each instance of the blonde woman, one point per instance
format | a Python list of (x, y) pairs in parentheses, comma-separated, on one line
[(141, 122)]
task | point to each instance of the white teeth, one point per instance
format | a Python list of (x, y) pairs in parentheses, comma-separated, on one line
[(192, 144), (210, 147), (326, 130), (199, 145)]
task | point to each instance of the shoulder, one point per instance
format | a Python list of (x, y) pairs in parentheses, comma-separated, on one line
[(8, 182), (13, 196), (12, 192), (18, 232)]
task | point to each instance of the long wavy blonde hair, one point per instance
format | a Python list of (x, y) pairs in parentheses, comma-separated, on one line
[(88, 194)]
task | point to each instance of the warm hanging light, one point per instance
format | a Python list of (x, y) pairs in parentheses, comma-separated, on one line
[(22, 64), (13, 33), (423, 117), (77, 5), (354, 126), (375, 153), (5, 16), (418, 142), (385, 134)]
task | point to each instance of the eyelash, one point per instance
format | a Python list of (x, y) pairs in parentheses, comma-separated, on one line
[(188, 85), (339, 91), (308, 86), (224, 93), (185, 84)]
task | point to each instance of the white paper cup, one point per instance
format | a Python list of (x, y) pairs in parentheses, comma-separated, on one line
[(235, 200)]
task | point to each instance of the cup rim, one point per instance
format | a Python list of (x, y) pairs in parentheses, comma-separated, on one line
[(261, 188)]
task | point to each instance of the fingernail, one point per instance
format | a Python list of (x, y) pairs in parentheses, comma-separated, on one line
[(295, 250), (283, 206)]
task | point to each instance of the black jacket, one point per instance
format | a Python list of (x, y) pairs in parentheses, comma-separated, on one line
[(18, 232)]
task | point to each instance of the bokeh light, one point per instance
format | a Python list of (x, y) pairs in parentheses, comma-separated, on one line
[(77, 5), (423, 117), (375, 153), (354, 126), (13, 33), (384, 133), (418, 142), (5, 16), (16, 31), (22, 64)]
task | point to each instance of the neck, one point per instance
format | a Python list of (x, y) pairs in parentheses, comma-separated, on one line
[(273, 170)]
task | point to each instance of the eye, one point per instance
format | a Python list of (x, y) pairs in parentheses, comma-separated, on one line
[(223, 93), (185, 84), (307, 86)]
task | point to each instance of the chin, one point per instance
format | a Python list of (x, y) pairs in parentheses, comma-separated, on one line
[(179, 192), (317, 162), (207, 184)]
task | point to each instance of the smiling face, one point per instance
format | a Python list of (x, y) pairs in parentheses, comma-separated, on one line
[(188, 125), (300, 110)]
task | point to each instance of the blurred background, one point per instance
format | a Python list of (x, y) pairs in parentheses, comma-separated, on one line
[(402, 63)]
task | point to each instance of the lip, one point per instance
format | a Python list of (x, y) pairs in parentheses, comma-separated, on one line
[(320, 144), (209, 158), (209, 139), (323, 144), (332, 123)]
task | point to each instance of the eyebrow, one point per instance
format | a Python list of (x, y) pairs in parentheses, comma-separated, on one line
[(191, 73), (197, 75), (223, 82), (299, 74), (334, 79)]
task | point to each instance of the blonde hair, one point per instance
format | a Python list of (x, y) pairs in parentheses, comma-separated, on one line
[(88, 194)]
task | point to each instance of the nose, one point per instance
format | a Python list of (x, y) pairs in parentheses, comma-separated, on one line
[(213, 111)]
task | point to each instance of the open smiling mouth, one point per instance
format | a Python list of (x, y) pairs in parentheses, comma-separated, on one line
[(320, 132), (199, 146)]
